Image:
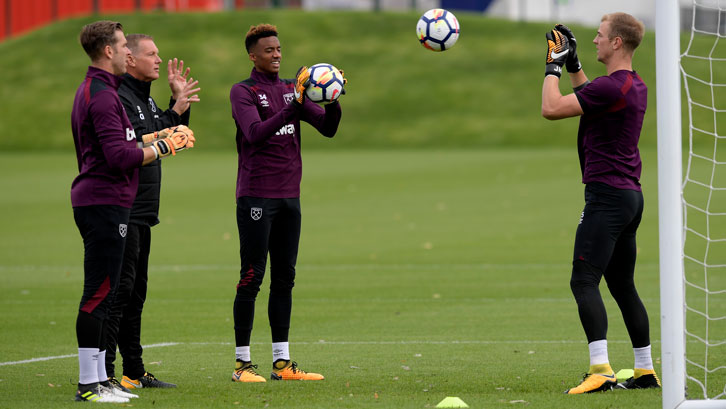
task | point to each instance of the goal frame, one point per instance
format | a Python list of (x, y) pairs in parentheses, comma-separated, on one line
[(670, 210)]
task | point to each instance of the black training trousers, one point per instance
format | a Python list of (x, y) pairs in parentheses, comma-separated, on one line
[(124, 321), (103, 229), (266, 225), (605, 245)]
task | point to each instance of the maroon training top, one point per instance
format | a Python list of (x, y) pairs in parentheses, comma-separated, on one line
[(269, 163), (108, 157), (607, 140)]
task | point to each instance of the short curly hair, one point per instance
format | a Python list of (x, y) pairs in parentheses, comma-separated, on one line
[(257, 32)]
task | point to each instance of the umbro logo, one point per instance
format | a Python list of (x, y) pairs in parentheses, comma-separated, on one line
[(263, 100)]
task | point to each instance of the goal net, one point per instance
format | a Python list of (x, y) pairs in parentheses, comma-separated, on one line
[(692, 220), (703, 68)]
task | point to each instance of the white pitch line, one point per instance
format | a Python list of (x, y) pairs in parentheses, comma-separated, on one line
[(322, 342), (31, 360), (50, 358)]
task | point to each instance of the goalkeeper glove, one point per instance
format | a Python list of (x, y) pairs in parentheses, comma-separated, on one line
[(152, 137), (557, 51), (345, 81), (302, 80), (171, 140), (573, 63)]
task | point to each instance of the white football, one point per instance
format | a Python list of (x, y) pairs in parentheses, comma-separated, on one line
[(437, 29), (326, 83)]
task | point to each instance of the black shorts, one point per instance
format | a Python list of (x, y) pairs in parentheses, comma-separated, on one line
[(103, 229), (608, 223)]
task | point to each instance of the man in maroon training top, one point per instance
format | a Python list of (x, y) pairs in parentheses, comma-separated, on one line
[(611, 110), (102, 195), (267, 111)]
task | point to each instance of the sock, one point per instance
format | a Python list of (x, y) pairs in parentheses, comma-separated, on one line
[(280, 350), (88, 366), (638, 372), (102, 376), (242, 353), (598, 352), (598, 355), (601, 369), (643, 359)]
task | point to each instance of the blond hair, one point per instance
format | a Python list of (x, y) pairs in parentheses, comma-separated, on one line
[(627, 27)]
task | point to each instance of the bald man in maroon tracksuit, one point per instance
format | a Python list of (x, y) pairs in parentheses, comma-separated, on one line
[(267, 111)]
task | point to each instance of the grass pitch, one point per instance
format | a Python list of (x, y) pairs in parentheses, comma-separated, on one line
[(422, 275)]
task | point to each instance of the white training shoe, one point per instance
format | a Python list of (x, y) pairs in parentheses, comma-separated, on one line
[(99, 394), (118, 392)]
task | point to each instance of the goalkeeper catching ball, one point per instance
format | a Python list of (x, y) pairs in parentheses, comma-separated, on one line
[(611, 110), (267, 112)]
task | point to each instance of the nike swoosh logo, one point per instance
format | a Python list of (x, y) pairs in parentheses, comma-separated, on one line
[(136, 385), (555, 55)]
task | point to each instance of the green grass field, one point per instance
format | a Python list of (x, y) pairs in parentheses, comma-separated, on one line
[(422, 274), (437, 226)]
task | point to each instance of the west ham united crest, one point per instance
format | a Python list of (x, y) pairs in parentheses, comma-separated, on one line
[(288, 98), (122, 228), (256, 213)]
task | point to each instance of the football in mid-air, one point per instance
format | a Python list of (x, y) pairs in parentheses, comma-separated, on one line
[(326, 83), (437, 30)]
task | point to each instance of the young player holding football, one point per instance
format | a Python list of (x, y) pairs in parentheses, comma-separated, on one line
[(267, 111), (124, 327), (611, 110), (102, 194)]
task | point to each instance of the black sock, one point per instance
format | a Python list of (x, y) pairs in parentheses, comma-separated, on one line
[(87, 386)]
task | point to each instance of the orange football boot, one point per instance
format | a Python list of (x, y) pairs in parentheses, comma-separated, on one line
[(283, 370)]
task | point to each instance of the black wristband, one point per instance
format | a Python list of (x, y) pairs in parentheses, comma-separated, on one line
[(553, 69)]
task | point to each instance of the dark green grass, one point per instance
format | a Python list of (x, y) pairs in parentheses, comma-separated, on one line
[(486, 91), (421, 275)]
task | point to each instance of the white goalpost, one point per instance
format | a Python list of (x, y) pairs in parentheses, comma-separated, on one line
[(692, 212)]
